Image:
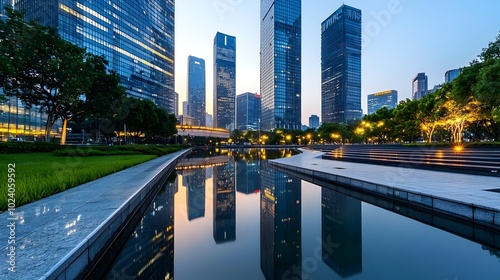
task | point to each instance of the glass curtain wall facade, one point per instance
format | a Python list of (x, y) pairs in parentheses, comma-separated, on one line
[(136, 37), (224, 81), (196, 89), (341, 66), (248, 111), (280, 64), (388, 99), (420, 86)]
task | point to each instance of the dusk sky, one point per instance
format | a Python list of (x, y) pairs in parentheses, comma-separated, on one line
[(400, 39)]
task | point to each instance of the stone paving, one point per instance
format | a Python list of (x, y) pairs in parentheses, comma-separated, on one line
[(58, 236), (462, 195)]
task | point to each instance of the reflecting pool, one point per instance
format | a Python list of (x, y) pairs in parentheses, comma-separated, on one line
[(227, 214)]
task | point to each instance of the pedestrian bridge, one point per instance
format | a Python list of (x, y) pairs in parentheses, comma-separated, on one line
[(202, 131)]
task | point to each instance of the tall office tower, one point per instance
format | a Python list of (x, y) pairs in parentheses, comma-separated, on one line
[(313, 121), (196, 89), (388, 99), (224, 81), (419, 86), (224, 219), (450, 75), (341, 66), (280, 63), (137, 38), (280, 224), (248, 111)]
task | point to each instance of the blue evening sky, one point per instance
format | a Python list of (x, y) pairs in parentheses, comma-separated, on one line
[(400, 39)]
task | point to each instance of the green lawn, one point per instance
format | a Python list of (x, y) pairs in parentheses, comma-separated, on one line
[(39, 175)]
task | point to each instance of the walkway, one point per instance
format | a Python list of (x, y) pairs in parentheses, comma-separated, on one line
[(59, 236), (472, 197)]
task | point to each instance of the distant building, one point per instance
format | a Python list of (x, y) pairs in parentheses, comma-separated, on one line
[(341, 66), (185, 110), (314, 121), (209, 120), (303, 127), (248, 111), (280, 64), (419, 86), (187, 120), (224, 81), (196, 89), (450, 75), (388, 99), (176, 104)]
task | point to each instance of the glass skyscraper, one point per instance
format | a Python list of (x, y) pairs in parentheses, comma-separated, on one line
[(280, 64), (196, 89), (136, 37), (248, 111), (224, 81), (341, 66), (388, 99), (420, 86)]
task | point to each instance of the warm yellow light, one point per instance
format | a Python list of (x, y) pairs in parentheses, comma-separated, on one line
[(289, 137), (458, 148)]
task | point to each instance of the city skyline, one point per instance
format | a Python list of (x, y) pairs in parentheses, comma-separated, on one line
[(391, 30)]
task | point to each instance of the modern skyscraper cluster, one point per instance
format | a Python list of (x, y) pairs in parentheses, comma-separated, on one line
[(341, 66), (280, 64), (387, 99)]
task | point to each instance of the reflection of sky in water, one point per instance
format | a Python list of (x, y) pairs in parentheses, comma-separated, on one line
[(360, 241)]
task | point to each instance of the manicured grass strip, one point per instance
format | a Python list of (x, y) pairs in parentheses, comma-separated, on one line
[(38, 175)]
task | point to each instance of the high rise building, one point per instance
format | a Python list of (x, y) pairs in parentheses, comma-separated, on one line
[(313, 121), (341, 66), (388, 99), (137, 38), (185, 107), (248, 111), (280, 63), (419, 86), (196, 89), (224, 81), (450, 75)]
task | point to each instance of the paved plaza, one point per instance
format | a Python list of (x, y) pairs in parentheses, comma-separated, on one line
[(466, 196)]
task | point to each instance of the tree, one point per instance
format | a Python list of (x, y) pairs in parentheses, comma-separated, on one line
[(406, 125), (44, 70), (334, 132)]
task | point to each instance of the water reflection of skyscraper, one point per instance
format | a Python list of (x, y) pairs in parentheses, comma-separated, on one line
[(280, 225), (341, 232), (194, 180), (149, 253), (224, 223), (247, 176)]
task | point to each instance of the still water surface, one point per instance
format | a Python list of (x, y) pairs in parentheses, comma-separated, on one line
[(229, 215)]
